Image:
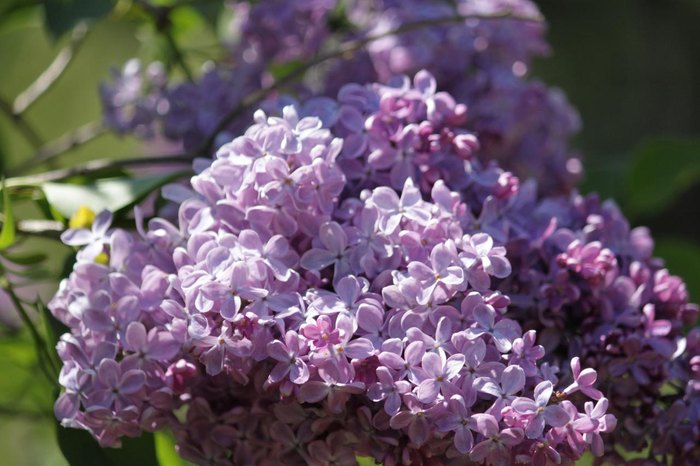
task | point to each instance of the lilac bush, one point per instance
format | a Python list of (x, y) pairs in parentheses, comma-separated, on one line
[(482, 60), (392, 263), (346, 316)]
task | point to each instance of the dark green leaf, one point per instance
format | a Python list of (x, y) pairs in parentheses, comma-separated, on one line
[(16, 10), (115, 194), (660, 171), (25, 258), (63, 15), (32, 273), (21, 15), (20, 385), (80, 449), (209, 11), (7, 234)]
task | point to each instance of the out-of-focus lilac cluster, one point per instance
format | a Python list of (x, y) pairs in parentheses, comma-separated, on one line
[(305, 312), (483, 60), (142, 102), (522, 123)]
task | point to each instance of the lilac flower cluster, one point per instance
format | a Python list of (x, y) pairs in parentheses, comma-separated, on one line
[(306, 311), (142, 102), (521, 123), (586, 282), (590, 286)]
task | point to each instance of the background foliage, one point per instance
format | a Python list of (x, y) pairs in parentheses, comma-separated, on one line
[(630, 67)]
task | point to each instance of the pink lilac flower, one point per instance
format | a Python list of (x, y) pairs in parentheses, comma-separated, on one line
[(303, 310), (539, 411)]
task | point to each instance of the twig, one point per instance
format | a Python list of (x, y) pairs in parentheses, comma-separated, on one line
[(345, 49), (96, 166), (22, 125), (177, 54), (161, 17), (68, 141), (252, 99), (43, 355), (53, 72), (44, 228)]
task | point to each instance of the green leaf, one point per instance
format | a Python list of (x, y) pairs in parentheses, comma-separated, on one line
[(282, 70), (20, 385), (115, 194), (7, 234), (366, 461), (165, 451), (63, 15), (209, 11), (14, 13), (54, 327), (25, 257), (80, 449), (660, 171)]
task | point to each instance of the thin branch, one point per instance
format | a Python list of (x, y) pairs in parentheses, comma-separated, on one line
[(96, 166), (43, 355), (68, 141), (44, 228), (346, 49), (177, 54), (53, 72), (163, 24), (251, 100), (22, 125)]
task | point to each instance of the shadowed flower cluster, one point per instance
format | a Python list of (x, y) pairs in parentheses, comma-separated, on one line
[(332, 288), (480, 52)]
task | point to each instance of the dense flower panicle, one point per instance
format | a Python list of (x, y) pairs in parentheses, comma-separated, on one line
[(304, 311), (142, 102), (135, 98), (520, 122), (591, 288), (279, 30), (347, 251)]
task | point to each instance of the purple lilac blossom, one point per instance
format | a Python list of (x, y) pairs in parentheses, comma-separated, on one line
[(521, 123), (328, 346)]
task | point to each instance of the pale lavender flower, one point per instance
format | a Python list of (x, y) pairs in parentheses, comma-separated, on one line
[(539, 411), (437, 373), (503, 332), (335, 242), (288, 355), (583, 380), (494, 449), (458, 419), (389, 390)]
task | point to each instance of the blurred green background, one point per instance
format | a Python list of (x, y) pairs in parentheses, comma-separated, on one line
[(631, 67)]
